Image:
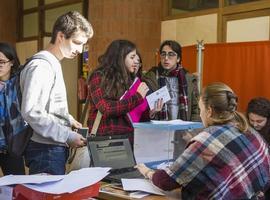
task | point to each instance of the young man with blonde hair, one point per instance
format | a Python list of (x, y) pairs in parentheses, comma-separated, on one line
[(44, 101)]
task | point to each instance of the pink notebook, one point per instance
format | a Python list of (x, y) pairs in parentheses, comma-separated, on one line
[(136, 113)]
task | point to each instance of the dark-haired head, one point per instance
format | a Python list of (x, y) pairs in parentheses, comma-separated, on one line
[(175, 46), (116, 77), (11, 54), (258, 113), (219, 104), (259, 106)]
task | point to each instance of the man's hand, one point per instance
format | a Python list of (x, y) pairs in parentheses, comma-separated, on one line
[(77, 140), (158, 107), (76, 125)]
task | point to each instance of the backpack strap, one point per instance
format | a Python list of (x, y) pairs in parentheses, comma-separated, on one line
[(39, 56), (93, 132)]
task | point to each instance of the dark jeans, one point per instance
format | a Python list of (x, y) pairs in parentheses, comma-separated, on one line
[(12, 165), (46, 158)]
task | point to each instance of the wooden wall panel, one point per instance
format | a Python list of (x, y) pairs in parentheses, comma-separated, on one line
[(188, 30), (134, 20), (8, 10)]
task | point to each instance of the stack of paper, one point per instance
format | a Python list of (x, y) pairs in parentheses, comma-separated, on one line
[(141, 185), (55, 184), (173, 122)]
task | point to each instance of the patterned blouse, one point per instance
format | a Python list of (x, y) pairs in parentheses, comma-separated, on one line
[(114, 112), (220, 163), (11, 121)]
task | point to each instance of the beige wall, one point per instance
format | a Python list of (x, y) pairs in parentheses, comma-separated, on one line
[(188, 30), (251, 29), (26, 49), (70, 73)]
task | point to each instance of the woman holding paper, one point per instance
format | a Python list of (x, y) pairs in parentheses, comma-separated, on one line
[(110, 86), (227, 160)]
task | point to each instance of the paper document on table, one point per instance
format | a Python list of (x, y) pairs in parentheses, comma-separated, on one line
[(173, 122), (33, 179), (138, 194), (164, 165), (140, 185), (162, 93), (73, 181)]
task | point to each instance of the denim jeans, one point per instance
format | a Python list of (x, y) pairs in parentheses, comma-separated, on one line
[(11, 164), (46, 158)]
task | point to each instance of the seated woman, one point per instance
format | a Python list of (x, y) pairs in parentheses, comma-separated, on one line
[(258, 114), (224, 161)]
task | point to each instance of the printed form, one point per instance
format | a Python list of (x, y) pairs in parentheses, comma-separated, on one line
[(161, 93)]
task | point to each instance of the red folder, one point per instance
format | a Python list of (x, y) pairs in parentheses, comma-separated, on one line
[(21, 192), (136, 113)]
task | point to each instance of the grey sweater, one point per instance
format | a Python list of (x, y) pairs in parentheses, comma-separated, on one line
[(44, 101)]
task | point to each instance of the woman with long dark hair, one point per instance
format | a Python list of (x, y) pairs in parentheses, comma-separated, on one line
[(9, 106), (108, 83)]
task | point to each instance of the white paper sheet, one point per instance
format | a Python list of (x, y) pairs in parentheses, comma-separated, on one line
[(140, 185), (164, 165), (138, 194), (173, 122), (73, 181), (161, 93), (6, 193), (36, 179)]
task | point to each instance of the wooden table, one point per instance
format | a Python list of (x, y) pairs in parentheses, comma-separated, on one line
[(108, 192)]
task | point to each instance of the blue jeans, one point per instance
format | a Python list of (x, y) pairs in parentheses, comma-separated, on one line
[(46, 158), (11, 164)]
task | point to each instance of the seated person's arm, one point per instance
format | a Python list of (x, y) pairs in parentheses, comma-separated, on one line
[(162, 180), (159, 178)]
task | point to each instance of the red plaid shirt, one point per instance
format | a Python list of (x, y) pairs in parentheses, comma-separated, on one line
[(114, 119)]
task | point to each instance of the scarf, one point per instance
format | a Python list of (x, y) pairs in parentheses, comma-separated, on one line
[(179, 72)]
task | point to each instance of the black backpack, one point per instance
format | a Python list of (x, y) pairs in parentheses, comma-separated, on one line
[(17, 143)]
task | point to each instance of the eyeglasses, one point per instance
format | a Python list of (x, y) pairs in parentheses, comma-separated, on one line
[(170, 54), (3, 62)]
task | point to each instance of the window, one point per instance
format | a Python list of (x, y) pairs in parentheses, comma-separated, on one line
[(37, 17), (233, 2), (52, 14), (184, 6)]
